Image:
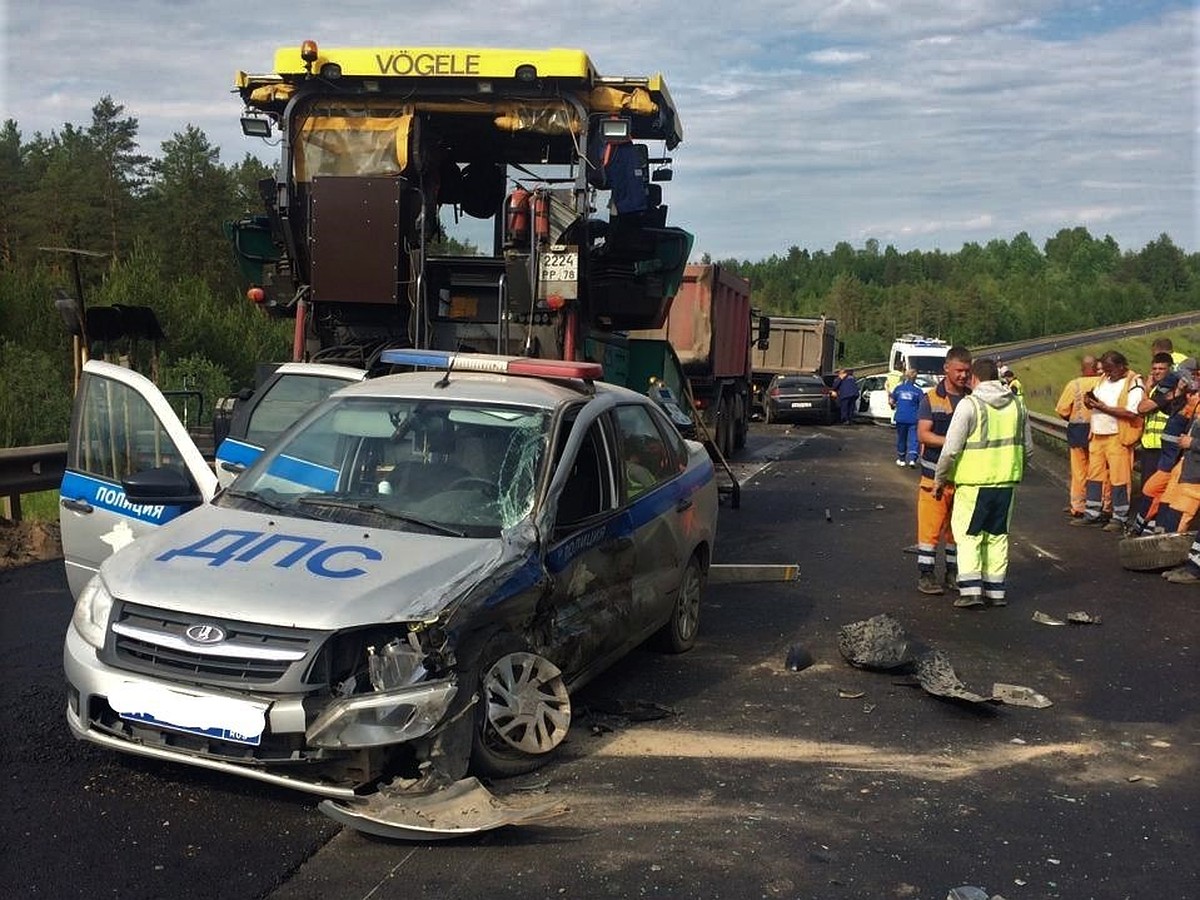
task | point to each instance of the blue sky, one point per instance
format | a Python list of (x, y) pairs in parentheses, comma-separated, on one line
[(923, 123)]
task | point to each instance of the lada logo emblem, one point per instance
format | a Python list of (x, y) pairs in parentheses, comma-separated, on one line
[(205, 634)]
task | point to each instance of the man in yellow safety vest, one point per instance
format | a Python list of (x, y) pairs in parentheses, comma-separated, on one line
[(984, 456)]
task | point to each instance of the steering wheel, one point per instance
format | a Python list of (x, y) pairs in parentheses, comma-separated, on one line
[(472, 482)]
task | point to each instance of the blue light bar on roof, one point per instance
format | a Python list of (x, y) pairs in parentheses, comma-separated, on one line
[(486, 362)]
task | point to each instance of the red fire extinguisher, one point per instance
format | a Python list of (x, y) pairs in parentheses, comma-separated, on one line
[(517, 224), (541, 215)]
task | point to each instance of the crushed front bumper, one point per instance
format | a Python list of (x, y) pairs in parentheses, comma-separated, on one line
[(264, 737)]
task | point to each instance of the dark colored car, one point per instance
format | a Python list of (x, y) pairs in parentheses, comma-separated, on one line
[(795, 398)]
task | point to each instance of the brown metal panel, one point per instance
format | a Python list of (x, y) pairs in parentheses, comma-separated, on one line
[(354, 227)]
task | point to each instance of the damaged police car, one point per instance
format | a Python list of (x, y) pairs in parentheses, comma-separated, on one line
[(407, 585)]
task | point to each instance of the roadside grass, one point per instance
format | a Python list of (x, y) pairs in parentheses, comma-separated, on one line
[(1043, 377), (40, 507)]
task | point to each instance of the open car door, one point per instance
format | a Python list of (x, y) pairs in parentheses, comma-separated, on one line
[(131, 466)]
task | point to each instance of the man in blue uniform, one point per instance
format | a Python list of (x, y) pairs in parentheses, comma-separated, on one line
[(905, 399)]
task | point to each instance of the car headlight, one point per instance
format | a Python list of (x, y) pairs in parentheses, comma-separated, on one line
[(92, 609)]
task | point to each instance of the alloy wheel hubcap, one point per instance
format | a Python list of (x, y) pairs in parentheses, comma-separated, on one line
[(527, 703)]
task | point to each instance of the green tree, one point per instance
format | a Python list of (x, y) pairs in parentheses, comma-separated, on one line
[(119, 167), (190, 195)]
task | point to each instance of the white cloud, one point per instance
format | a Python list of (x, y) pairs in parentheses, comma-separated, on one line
[(928, 122), (835, 57)]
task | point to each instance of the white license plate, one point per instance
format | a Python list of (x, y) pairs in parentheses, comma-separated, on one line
[(804, 404), (223, 718), (558, 266)]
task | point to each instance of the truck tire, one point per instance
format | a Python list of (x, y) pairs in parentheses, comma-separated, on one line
[(1152, 552), (741, 422), (730, 425)]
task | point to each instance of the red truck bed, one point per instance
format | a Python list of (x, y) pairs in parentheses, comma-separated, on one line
[(709, 323)]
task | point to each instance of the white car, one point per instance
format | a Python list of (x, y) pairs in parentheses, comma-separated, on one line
[(873, 403), (410, 582)]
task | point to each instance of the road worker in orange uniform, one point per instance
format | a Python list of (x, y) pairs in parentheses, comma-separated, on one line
[(933, 513), (1176, 394), (1116, 428), (1071, 407)]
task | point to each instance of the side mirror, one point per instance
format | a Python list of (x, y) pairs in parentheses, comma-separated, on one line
[(764, 332), (160, 487)]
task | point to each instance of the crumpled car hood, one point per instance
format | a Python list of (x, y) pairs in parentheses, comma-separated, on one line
[(301, 573)]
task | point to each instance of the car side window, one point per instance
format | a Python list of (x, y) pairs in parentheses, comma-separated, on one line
[(675, 441), (646, 460), (588, 491), (118, 434)]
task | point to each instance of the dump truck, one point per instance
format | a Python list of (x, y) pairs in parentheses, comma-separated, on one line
[(709, 326), (796, 346)]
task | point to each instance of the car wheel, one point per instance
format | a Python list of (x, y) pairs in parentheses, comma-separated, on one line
[(679, 634), (522, 715), (1152, 552)]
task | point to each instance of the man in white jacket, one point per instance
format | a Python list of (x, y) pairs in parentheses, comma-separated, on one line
[(984, 456)]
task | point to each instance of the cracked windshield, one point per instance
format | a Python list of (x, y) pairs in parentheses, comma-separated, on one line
[(415, 465)]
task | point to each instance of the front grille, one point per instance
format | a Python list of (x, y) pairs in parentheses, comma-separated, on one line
[(149, 640)]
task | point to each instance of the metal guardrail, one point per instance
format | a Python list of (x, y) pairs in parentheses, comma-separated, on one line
[(24, 470), (1017, 350), (1051, 428)]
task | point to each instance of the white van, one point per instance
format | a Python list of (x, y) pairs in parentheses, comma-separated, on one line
[(912, 351)]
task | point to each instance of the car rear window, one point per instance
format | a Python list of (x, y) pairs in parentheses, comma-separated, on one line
[(802, 381)]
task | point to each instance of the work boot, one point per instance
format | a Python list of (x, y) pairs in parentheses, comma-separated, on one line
[(928, 584), (1088, 522), (951, 581), (1182, 575), (996, 601), (970, 600), (1112, 525)]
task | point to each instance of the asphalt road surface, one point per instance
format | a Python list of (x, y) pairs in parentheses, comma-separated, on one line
[(720, 773)]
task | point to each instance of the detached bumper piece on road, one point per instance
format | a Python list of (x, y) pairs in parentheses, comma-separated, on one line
[(465, 807)]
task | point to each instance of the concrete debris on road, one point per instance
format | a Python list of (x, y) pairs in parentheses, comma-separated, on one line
[(1019, 695), (937, 677), (879, 642), (1042, 619), (970, 892), (1073, 618), (882, 643)]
